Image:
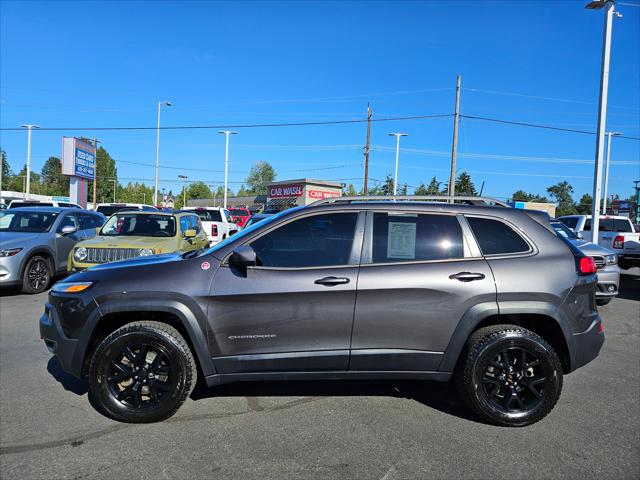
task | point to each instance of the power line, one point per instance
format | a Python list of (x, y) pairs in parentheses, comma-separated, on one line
[(252, 125), (534, 125)]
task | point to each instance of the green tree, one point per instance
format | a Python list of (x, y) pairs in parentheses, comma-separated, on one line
[(464, 185), (420, 189), (349, 191), (55, 183), (198, 190), (106, 172), (403, 190), (6, 170), (242, 192), (562, 195), (584, 206), (434, 187), (260, 174), (522, 196)]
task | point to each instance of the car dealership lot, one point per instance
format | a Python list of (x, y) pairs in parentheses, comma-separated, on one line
[(364, 430)]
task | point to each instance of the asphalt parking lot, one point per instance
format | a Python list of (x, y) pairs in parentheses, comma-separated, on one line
[(364, 430)]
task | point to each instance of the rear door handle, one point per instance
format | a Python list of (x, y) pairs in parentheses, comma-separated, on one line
[(467, 276), (331, 281)]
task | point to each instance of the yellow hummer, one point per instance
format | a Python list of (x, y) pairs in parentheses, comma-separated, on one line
[(130, 234)]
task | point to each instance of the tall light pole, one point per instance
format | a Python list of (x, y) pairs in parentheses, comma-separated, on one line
[(184, 190), (95, 175), (606, 168), (29, 127), (155, 188), (602, 110), (395, 178), (226, 162)]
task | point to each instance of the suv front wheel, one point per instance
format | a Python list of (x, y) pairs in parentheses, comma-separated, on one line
[(509, 375), (142, 372)]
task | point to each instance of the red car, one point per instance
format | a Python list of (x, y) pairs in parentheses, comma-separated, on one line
[(240, 216)]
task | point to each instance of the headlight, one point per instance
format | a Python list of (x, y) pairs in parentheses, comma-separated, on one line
[(10, 252), (80, 254), (71, 287), (612, 259), (145, 252)]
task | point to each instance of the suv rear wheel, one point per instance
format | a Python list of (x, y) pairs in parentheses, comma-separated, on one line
[(142, 372), (509, 376)]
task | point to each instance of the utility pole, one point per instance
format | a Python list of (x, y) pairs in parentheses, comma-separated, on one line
[(114, 189), (1, 169), (95, 175), (606, 168), (454, 147), (395, 178), (366, 152), (29, 127), (226, 162), (602, 111), (155, 189), (184, 190)]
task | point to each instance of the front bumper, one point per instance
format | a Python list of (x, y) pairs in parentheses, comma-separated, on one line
[(11, 270), (608, 282), (587, 344), (58, 343)]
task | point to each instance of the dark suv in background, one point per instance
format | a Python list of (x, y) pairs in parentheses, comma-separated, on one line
[(347, 288)]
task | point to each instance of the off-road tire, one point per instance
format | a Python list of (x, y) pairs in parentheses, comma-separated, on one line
[(474, 376), (176, 359), (41, 268)]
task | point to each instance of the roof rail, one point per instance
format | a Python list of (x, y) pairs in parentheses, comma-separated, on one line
[(468, 200)]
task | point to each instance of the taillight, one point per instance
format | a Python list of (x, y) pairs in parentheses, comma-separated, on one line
[(587, 266), (214, 230), (618, 242)]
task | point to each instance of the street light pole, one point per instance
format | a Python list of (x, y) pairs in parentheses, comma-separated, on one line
[(606, 169), (602, 111), (95, 175), (395, 178), (155, 189), (29, 127), (184, 190), (226, 162)]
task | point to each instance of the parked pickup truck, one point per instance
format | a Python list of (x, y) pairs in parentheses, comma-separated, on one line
[(616, 233), (217, 222)]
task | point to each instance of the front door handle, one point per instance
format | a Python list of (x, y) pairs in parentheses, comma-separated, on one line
[(331, 281), (467, 276)]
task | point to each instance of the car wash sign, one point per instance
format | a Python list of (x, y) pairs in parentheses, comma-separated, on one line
[(78, 158), (281, 191)]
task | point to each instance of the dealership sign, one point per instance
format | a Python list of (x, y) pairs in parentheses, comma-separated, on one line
[(280, 191), (78, 158), (322, 194)]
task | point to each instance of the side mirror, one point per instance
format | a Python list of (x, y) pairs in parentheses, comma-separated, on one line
[(190, 233), (68, 230), (243, 257), (579, 235)]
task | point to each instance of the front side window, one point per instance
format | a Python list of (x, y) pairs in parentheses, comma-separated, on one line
[(315, 241), (144, 225), (406, 237), (496, 238)]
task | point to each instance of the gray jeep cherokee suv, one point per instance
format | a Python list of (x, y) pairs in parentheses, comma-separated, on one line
[(355, 288)]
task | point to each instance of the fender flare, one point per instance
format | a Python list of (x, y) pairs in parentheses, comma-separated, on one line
[(170, 303), (476, 314)]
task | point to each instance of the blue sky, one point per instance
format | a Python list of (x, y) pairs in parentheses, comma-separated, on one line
[(90, 64)]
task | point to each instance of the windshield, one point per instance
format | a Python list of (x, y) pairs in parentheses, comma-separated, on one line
[(34, 222), (143, 225), (562, 230), (239, 213), (248, 230), (108, 210)]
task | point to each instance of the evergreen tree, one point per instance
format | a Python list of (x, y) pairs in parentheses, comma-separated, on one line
[(464, 185), (55, 183), (106, 172), (434, 187)]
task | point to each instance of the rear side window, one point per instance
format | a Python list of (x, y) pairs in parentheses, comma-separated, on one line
[(411, 237), (496, 238)]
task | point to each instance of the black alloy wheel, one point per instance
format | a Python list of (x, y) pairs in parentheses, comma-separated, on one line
[(142, 372), (36, 276), (509, 376)]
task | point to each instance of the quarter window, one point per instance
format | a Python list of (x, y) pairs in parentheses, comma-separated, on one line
[(415, 237), (496, 238), (315, 241)]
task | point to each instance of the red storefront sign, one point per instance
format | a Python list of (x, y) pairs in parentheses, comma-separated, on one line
[(321, 194), (280, 191)]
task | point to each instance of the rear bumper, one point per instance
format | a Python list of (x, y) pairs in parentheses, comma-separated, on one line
[(587, 344)]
